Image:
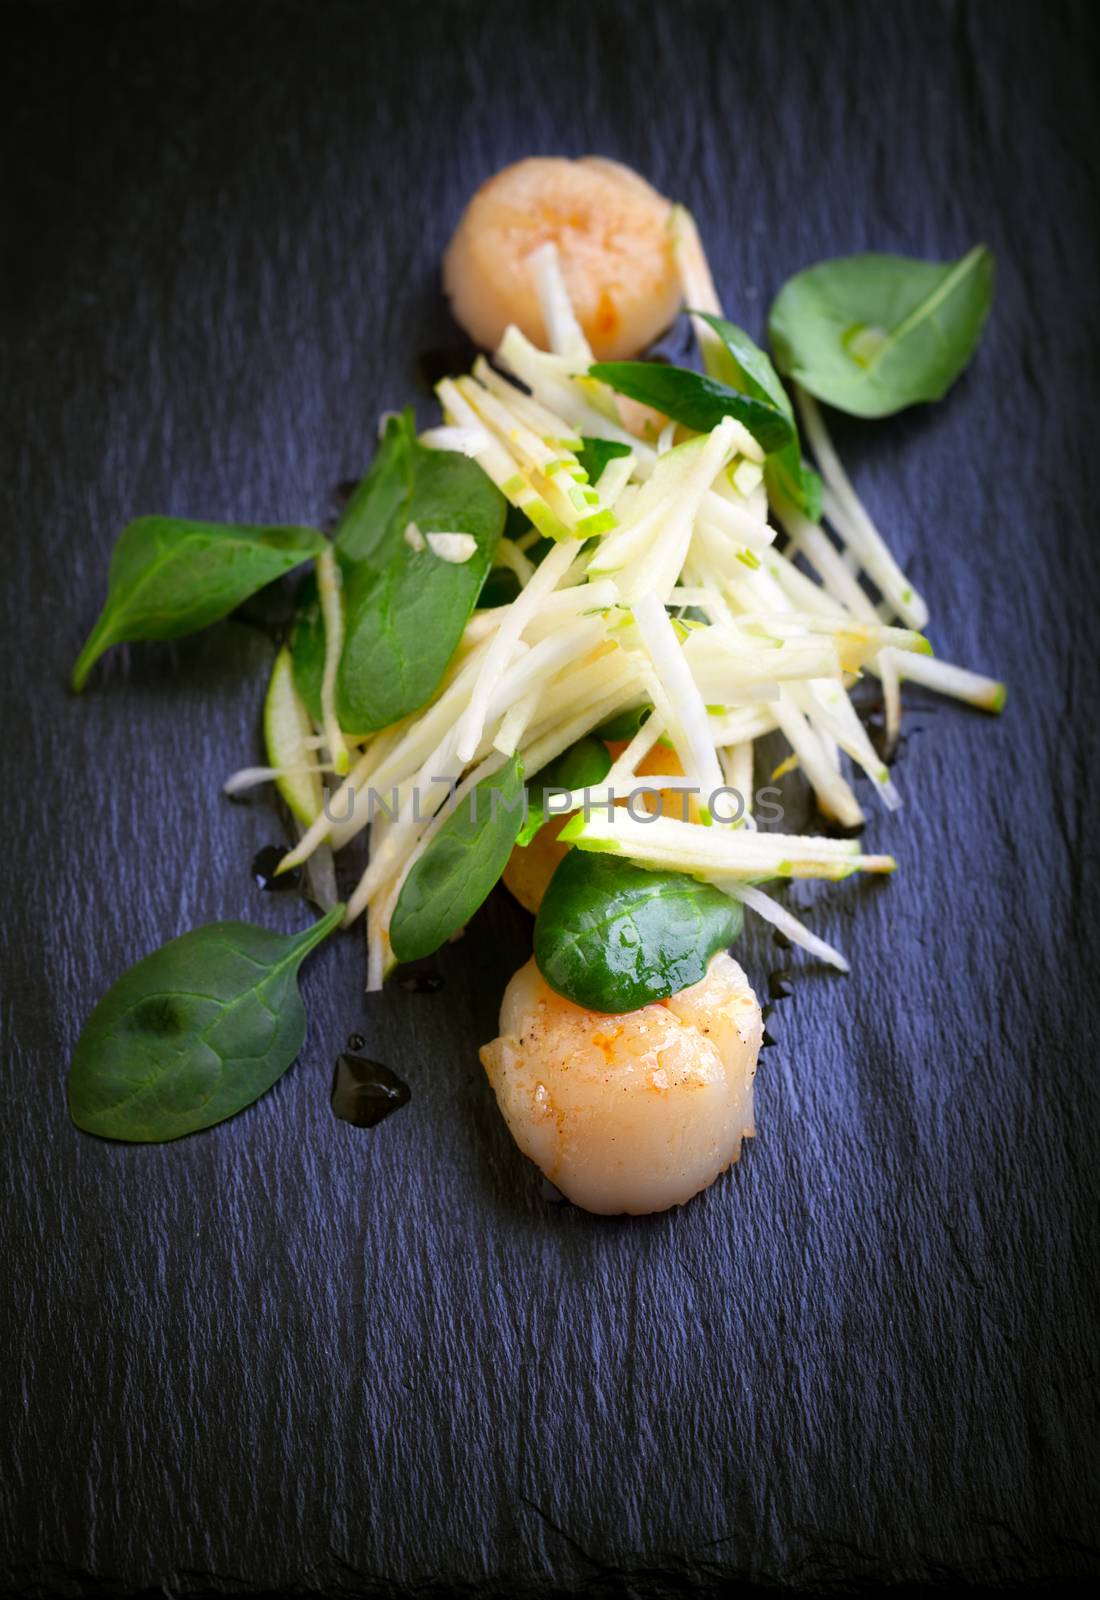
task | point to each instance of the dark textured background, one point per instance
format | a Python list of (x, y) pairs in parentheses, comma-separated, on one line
[(290, 1355)]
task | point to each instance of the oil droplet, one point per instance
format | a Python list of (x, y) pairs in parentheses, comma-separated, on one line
[(264, 863), (356, 1041), (873, 716), (890, 755), (363, 1092)]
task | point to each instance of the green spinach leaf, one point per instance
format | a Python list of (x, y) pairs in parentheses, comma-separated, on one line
[(460, 866), (872, 334), (169, 576), (696, 399), (517, 523), (612, 936), (594, 455), (584, 763), (622, 727), (405, 608), (193, 1033), (307, 647), (740, 362), (500, 588)]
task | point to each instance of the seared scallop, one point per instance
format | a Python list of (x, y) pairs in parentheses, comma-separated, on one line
[(633, 1112), (611, 229)]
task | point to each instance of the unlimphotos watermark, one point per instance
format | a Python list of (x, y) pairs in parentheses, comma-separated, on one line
[(643, 802)]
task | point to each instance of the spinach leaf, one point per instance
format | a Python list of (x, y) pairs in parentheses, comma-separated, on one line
[(405, 608), (741, 363), (368, 524), (612, 936), (193, 1033), (538, 552), (500, 588), (584, 763), (460, 866), (517, 523), (594, 455), (622, 727), (696, 400), (873, 333), (169, 576), (307, 648)]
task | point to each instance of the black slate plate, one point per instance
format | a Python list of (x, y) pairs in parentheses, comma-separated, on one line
[(290, 1355)]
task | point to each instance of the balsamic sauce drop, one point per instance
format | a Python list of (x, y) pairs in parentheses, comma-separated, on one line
[(831, 829), (780, 986), (363, 1092), (873, 715), (264, 863), (876, 732)]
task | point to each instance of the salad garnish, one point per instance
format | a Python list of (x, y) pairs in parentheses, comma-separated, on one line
[(558, 620)]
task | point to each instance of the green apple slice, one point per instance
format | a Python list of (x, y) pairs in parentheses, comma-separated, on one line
[(287, 727)]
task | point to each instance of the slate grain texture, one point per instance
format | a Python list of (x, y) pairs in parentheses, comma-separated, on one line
[(291, 1356)]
